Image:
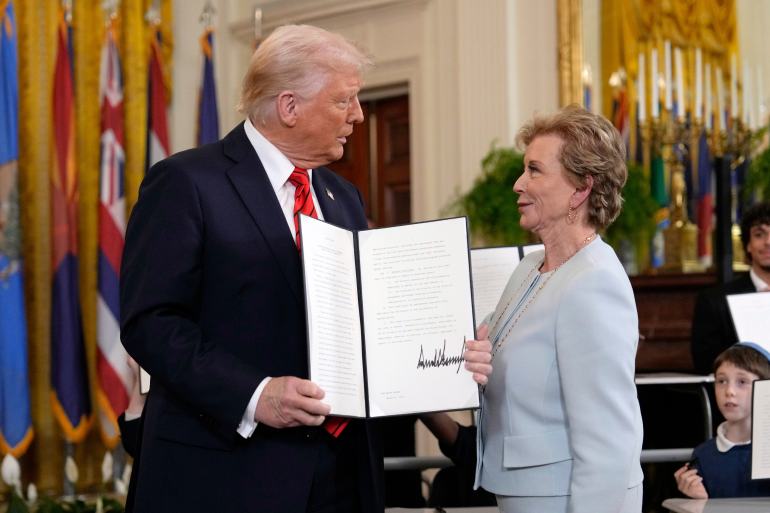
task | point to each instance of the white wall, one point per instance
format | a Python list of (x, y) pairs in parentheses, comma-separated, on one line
[(230, 59)]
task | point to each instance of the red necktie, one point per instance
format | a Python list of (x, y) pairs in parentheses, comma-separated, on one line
[(303, 200), (303, 204)]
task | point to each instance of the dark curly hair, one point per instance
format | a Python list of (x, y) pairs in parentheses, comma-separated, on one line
[(746, 358), (756, 215)]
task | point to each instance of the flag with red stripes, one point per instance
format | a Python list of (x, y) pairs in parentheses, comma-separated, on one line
[(157, 130), (71, 400), (115, 378), (705, 207)]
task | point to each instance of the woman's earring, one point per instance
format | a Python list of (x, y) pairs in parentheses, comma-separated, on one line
[(571, 215)]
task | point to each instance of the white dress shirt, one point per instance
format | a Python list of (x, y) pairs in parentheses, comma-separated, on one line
[(758, 282), (278, 169)]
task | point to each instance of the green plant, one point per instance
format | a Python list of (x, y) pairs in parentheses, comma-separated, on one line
[(491, 204), (638, 213), (758, 178), (493, 215)]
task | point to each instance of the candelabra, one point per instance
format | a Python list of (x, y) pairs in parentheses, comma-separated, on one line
[(738, 143), (681, 235)]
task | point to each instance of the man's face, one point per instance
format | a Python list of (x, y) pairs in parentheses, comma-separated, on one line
[(759, 247), (325, 121)]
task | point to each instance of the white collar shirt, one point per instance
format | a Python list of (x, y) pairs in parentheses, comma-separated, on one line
[(279, 169), (758, 282)]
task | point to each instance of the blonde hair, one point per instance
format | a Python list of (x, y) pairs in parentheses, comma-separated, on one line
[(298, 58), (591, 146)]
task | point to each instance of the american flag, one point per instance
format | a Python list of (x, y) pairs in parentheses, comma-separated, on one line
[(115, 376)]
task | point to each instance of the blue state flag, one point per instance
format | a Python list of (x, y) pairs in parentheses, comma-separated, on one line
[(208, 114), (15, 419)]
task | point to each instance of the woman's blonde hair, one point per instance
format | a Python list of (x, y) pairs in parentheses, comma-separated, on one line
[(591, 146), (298, 58)]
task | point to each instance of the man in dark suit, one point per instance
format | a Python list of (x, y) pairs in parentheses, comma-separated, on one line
[(213, 307), (712, 327)]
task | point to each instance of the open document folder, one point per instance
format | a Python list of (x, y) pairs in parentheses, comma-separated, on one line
[(388, 313)]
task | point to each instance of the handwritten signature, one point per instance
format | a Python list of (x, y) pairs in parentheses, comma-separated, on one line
[(440, 358)]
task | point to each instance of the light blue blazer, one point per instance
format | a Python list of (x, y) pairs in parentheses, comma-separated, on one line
[(560, 413)]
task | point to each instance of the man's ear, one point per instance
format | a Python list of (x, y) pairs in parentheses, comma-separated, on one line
[(582, 193), (287, 108)]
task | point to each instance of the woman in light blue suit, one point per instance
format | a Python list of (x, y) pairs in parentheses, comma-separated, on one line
[(560, 428)]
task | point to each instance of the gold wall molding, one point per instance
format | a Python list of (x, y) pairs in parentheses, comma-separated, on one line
[(570, 45)]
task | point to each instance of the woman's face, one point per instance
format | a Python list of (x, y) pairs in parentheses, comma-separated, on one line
[(544, 190)]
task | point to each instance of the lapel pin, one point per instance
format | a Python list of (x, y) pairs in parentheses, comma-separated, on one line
[(329, 193)]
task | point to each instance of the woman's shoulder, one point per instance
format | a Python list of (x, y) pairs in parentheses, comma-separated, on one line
[(598, 261)]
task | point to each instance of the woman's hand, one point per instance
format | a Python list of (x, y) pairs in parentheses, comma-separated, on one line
[(478, 355), (690, 483)]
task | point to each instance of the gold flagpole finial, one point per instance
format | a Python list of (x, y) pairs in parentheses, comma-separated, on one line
[(153, 13), (207, 15), (110, 8), (257, 24), (67, 7)]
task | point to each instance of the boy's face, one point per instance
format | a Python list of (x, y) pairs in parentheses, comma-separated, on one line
[(733, 391)]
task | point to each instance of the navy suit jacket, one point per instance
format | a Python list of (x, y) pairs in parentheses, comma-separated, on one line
[(212, 302), (712, 325)]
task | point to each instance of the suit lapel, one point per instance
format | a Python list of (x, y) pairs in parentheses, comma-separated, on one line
[(250, 180), (325, 194)]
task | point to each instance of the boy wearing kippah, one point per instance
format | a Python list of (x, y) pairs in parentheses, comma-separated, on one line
[(721, 466)]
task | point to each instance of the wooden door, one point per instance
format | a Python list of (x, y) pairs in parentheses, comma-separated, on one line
[(376, 160)]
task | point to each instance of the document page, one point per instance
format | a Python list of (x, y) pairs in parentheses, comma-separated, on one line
[(751, 317), (334, 325), (416, 297), (491, 269), (144, 381), (760, 430)]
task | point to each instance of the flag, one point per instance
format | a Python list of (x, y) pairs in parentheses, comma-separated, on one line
[(208, 116), (658, 180), (115, 378), (69, 377), (705, 199), (660, 195), (738, 181), (157, 125), (620, 117), (15, 418)]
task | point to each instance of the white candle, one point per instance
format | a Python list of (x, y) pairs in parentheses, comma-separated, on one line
[(667, 75), (654, 100), (746, 106), (720, 101), (640, 85), (709, 105), (733, 87), (698, 85), (680, 110)]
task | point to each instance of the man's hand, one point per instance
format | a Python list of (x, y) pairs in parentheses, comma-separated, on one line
[(289, 402), (478, 355), (690, 483)]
